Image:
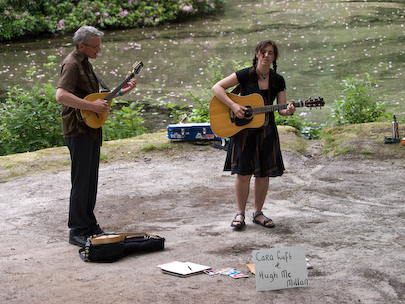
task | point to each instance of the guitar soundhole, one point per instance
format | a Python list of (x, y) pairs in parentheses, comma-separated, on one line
[(248, 112), (245, 120)]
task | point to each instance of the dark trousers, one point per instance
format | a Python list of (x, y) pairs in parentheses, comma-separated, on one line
[(85, 159)]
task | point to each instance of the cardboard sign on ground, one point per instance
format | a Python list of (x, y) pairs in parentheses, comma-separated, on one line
[(280, 268)]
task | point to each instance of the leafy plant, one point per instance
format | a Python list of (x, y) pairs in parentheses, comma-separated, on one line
[(37, 17), (30, 119), (214, 70), (124, 121), (201, 112), (359, 104)]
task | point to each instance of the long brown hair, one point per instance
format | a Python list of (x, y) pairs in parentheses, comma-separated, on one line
[(260, 46)]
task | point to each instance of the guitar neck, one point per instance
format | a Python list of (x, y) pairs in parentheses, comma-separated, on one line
[(272, 108)]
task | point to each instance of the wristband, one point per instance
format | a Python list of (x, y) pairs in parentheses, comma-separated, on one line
[(120, 93)]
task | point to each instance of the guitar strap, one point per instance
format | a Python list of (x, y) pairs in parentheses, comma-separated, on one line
[(103, 85), (268, 98), (267, 115), (236, 90)]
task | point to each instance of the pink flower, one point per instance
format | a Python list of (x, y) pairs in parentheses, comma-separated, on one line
[(61, 25), (187, 8), (123, 13)]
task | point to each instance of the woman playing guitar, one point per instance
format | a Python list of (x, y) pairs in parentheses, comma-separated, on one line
[(255, 152)]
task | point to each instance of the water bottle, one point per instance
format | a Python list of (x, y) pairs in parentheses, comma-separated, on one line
[(395, 131)]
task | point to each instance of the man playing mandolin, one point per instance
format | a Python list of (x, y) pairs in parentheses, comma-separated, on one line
[(77, 80), (255, 151)]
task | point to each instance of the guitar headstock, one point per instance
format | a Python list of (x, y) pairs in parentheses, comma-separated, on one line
[(137, 67), (317, 102)]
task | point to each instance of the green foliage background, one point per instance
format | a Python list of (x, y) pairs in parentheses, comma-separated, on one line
[(359, 103), (30, 119), (19, 19)]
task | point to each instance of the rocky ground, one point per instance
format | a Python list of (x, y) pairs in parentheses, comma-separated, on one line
[(347, 212)]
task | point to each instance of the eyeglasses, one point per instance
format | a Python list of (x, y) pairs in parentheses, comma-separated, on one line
[(94, 47)]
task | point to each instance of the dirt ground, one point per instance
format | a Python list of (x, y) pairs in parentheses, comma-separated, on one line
[(347, 212)]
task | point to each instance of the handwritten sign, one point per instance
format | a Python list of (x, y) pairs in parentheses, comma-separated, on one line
[(280, 268)]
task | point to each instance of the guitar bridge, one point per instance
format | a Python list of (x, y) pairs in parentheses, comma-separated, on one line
[(231, 116)]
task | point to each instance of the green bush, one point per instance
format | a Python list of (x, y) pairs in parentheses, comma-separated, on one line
[(359, 104), (32, 18), (124, 121), (30, 119)]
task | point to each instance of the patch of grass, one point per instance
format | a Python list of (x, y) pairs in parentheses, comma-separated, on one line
[(351, 141), (360, 140), (153, 147), (103, 157), (30, 163), (344, 150)]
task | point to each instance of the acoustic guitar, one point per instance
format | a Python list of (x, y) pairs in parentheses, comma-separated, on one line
[(225, 124), (95, 120)]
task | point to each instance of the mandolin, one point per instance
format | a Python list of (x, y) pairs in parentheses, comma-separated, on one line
[(225, 124), (95, 120), (119, 237)]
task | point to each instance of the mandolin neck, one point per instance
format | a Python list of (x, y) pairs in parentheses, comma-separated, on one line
[(118, 88)]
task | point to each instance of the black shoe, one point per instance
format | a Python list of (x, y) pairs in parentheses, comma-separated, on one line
[(97, 230), (79, 240)]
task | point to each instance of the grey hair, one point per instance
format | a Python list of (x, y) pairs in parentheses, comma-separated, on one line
[(84, 33)]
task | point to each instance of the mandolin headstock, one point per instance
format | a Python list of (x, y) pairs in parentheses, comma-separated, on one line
[(137, 67)]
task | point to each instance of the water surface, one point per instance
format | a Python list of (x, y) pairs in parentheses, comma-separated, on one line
[(320, 43)]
